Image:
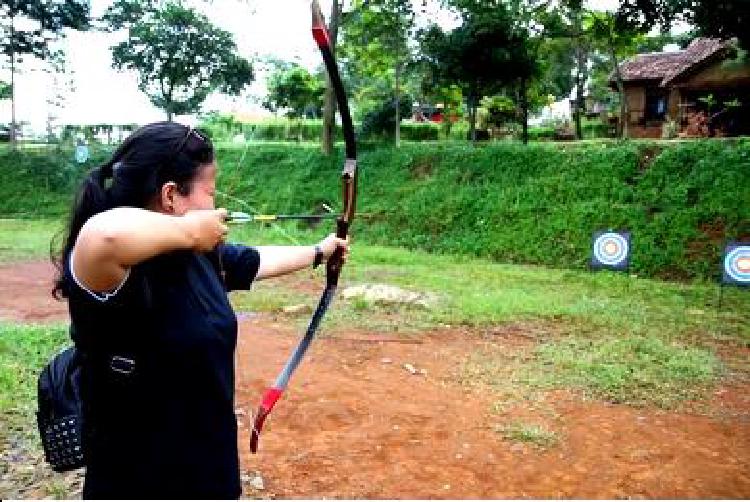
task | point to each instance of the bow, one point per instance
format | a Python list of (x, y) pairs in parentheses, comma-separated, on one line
[(335, 262)]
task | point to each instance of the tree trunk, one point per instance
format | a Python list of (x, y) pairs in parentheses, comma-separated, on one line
[(472, 118), (580, 83), (329, 110), (525, 110), (580, 74), (624, 111), (398, 105), (13, 144)]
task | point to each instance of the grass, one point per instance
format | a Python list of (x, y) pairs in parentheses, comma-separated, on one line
[(538, 204), (24, 350), (24, 239), (529, 433), (629, 369), (612, 336)]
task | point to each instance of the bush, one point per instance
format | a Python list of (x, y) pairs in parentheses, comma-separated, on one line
[(225, 128), (380, 122), (536, 205), (541, 133), (420, 131)]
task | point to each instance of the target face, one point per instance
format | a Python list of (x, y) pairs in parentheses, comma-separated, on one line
[(737, 264), (611, 250), (82, 154)]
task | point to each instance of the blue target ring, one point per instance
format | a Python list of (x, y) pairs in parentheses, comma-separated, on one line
[(611, 250), (737, 264)]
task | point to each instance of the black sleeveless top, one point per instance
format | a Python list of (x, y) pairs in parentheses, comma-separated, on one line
[(158, 377)]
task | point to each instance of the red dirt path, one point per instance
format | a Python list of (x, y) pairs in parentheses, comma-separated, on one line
[(354, 426)]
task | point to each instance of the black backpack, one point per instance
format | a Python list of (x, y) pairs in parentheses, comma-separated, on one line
[(60, 417)]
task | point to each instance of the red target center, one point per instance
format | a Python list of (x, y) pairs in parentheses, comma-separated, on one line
[(611, 248), (743, 265)]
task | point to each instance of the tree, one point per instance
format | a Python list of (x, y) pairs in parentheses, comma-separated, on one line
[(295, 90), (383, 121), (5, 90), (28, 26), (714, 18), (329, 107), (615, 38), (61, 83), (179, 55), (582, 51), (376, 49), (482, 56)]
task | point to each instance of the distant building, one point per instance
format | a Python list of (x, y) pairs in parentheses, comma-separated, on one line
[(431, 113), (704, 83)]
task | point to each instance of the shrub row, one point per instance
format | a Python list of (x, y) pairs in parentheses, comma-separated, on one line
[(538, 204)]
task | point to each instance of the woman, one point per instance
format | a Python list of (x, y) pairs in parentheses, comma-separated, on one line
[(145, 271)]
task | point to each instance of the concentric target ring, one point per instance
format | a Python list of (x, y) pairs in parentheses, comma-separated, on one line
[(611, 249), (737, 264)]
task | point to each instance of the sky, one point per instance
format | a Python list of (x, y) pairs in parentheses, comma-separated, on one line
[(100, 94)]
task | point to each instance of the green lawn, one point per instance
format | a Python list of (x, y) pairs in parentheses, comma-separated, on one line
[(610, 335)]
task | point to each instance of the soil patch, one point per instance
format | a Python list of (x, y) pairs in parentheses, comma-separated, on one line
[(354, 426), (25, 293)]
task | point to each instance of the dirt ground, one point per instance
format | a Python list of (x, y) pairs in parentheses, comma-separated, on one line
[(356, 424)]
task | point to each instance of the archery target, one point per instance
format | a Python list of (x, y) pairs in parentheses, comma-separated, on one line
[(737, 264), (611, 250)]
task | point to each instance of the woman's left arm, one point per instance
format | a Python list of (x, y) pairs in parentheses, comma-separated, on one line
[(281, 260)]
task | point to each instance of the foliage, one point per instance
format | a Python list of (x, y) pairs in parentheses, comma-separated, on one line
[(41, 182), (378, 58), (557, 58), (381, 122), (420, 131), (295, 90), (226, 128), (179, 55), (375, 39), (5, 90), (34, 23), (724, 19), (500, 109), (24, 349), (538, 205), (482, 56), (29, 26)]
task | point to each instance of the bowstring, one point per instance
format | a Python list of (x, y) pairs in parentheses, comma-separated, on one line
[(244, 203)]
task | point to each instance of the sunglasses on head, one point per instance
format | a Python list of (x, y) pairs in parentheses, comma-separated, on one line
[(194, 143), (193, 140)]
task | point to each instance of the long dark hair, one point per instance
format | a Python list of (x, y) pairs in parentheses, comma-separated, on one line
[(153, 155)]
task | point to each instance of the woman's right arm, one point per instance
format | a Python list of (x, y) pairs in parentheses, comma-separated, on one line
[(113, 241)]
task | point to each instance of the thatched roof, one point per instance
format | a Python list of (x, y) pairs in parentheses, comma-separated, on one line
[(666, 67)]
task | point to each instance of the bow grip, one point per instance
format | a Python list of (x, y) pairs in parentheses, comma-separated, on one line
[(336, 261)]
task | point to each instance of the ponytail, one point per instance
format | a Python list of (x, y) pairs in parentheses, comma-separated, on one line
[(92, 198)]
